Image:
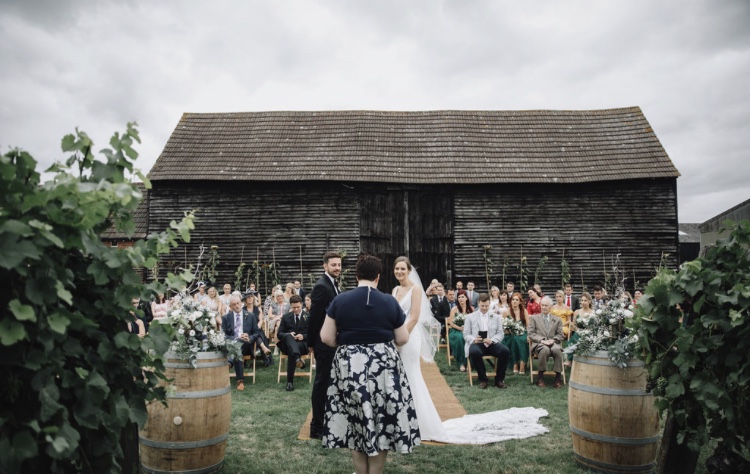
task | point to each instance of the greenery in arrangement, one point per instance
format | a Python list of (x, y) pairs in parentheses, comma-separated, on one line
[(208, 272), (196, 330), (513, 327), (608, 328), (71, 373), (487, 255), (695, 333)]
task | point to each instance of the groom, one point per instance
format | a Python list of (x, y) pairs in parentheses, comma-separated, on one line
[(484, 332), (324, 291)]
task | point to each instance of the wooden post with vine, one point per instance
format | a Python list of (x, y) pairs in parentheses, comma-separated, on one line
[(487, 264)]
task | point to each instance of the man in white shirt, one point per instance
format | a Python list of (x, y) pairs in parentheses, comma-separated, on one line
[(484, 332)]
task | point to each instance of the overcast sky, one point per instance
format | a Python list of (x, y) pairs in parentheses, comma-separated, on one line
[(98, 64)]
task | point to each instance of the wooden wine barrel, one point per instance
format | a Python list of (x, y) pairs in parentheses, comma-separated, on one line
[(190, 434), (613, 422)]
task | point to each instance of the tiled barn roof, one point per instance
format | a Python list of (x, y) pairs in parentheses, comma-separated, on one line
[(140, 218), (432, 147)]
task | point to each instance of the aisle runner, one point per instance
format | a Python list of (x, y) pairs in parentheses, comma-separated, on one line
[(446, 403)]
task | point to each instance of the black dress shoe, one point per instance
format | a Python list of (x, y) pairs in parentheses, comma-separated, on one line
[(482, 385), (267, 360), (289, 387)]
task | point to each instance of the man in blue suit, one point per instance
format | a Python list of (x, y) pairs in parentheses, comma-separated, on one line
[(241, 326)]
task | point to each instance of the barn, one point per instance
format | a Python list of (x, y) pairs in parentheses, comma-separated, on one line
[(489, 196)]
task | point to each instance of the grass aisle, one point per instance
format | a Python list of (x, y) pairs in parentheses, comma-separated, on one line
[(266, 420)]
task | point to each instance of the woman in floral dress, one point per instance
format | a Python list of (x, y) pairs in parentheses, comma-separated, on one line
[(518, 343), (584, 312), (456, 329), (533, 306), (369, 409)]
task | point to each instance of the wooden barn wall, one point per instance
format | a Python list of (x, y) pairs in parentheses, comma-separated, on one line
[(258, 221), (591, 224), (412, 221)]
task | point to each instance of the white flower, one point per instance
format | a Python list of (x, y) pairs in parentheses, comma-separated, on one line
[(191, 333), (599, 311), (612, 320), (180, 331), (634, 338), (211, 332), (195, 315), (175, 313), (628, 314), (606, 333)]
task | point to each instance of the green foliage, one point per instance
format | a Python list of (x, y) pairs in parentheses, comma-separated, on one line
[(208, 273), (565, 273), (71, 374), (539, 269), (523, 273), (697, 359), (505, 269), (487, 255)]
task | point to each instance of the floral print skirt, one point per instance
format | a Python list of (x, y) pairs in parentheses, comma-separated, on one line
[(370, 406)]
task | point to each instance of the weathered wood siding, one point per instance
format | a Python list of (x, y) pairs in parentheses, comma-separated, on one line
[(590, 223), (389, 214), (261, 220)]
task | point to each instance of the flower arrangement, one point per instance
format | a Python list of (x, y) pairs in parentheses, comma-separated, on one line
[(607, 329), (518, 328), (508, 325), (459, 319), (196, 330)]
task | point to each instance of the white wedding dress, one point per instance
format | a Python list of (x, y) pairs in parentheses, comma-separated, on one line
[(482, 428)]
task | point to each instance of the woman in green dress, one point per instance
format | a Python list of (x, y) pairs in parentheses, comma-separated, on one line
[(518, 343), (584, 313), (456, 328)]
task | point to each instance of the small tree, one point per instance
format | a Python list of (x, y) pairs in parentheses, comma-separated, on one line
[(695, 333), (71, 374)]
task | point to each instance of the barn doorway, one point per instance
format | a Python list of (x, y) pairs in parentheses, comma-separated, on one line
[(415, 223)]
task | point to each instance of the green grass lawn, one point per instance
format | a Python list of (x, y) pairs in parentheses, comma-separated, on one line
[(266, 420)]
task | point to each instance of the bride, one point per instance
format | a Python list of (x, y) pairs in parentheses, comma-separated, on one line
[(483, 428)]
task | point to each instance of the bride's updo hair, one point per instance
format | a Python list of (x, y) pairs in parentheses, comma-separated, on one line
[(368, 267), (403, 259)]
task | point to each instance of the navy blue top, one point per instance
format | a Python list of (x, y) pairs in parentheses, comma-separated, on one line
[(360, 322)]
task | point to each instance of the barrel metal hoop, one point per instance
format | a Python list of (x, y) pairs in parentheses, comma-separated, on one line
[(201, 393), (201, 365), (612, 468), (203, 470), (607, 362), (201, 443), (608, 391), (614, 439)]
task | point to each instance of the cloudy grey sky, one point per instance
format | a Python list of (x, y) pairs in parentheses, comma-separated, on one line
[(99, 64)]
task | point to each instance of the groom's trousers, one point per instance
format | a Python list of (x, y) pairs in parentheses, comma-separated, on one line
[(499, 350)]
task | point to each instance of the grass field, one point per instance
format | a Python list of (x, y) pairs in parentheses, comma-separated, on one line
[(266, 420)]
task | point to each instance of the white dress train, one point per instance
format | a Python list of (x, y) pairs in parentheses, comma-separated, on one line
[(482, 428)]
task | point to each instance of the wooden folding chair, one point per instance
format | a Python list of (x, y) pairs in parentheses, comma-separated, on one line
[(245, 369), (533, 357), (472, 375), (309, 358), (448, 346)]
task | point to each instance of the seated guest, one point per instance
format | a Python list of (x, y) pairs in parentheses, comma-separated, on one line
[(562, 311), (299, 290), (288, 292), (201, 294), (262, 341), (275, 311), (240, 326), (546, 332), (308, 305), (600, 297), (292, 335), (440, 307), (484, 332)]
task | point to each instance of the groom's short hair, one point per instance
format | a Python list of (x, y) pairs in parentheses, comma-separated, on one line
[(368, 267), (330, 255), (484, 297)]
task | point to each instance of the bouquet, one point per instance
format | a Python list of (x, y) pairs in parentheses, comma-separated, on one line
[(606, 329), (508, 325), (196, 330), (518, 328), (459, 319)]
